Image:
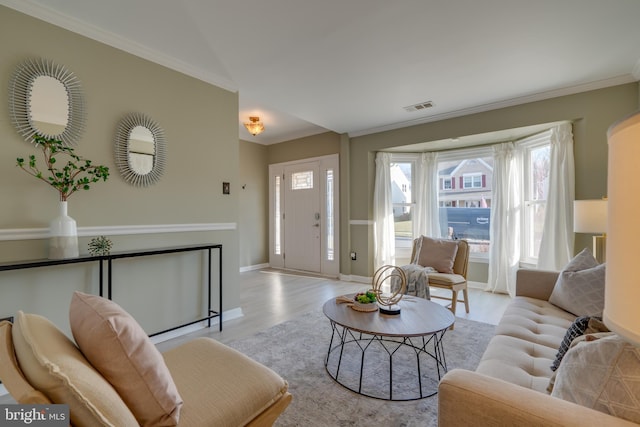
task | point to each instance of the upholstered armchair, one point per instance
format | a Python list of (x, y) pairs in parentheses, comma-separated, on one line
[(113, 375)]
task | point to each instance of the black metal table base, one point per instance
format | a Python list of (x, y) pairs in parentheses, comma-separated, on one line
[(364, 363)]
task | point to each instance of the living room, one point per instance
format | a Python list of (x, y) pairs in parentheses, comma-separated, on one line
[(205, 150)]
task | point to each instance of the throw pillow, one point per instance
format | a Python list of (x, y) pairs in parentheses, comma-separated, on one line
[(438, 253), (54, 365), (583, 325), (602, 375), (117, 346), (579, 288)]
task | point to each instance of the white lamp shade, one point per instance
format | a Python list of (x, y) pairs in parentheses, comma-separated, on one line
[(590, 216), (622, 283)]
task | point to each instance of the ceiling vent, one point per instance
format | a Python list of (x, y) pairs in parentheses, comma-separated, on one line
[(419, 107)]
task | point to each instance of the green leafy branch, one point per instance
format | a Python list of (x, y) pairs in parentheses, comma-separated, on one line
[(77, 174)]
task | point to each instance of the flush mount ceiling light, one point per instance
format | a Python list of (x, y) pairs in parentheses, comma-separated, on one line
[(254, 126)]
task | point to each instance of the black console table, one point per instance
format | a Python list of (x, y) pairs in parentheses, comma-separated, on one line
[(101, 259)]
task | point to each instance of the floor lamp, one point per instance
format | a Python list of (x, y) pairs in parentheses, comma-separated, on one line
[(590, 217)]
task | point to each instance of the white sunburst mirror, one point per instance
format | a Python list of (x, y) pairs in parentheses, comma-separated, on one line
[(46, 99), (140, 150)]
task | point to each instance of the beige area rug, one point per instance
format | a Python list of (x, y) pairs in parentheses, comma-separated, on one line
[(297, 349)]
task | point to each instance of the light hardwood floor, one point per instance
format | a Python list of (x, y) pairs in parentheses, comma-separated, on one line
[(269, 297)]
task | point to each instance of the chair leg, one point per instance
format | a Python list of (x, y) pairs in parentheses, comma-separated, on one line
[(466, 299), (454, 300)]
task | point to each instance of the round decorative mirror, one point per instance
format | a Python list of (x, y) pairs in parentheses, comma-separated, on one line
[(140, 150), (46, 99)]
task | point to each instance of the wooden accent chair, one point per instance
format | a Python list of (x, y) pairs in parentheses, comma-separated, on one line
[(218, 385), (455, 282)]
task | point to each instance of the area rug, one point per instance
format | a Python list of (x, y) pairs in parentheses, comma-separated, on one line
[(297, 349)]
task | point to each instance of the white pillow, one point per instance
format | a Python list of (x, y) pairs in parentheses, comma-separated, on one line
[(580, 286), (602, 375)]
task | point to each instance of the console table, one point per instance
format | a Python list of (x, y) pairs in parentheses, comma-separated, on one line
[(101, 259)]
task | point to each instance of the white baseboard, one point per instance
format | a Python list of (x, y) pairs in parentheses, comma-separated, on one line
[(353, 278)]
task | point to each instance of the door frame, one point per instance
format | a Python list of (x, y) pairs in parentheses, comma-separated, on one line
[(329, 266)]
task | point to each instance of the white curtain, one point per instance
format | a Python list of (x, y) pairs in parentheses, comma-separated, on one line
[(556, 245), (427, 214), (504, 252), (383, 230)]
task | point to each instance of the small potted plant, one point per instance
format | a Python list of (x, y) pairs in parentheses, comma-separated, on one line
[(74, 175)]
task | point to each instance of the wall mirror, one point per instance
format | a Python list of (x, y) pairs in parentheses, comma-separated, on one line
[(46, 99), (140, 150)]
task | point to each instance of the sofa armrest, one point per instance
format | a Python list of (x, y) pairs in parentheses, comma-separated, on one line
[(535, 283), (467, 398)]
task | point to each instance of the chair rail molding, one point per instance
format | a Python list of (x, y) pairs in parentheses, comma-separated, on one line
[(116, 230)]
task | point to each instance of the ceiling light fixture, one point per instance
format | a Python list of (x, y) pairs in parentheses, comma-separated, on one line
[(254, 126)]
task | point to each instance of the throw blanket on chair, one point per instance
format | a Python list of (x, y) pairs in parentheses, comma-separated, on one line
[(417, 280)]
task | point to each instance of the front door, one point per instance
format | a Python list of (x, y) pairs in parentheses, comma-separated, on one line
[(302, 217)]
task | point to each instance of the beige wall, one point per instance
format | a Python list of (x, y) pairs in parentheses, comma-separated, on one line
[(200, 124), (312, 146), (253, 215), (591, 113)]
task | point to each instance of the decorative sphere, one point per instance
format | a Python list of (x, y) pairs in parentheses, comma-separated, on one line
[(395, 275)]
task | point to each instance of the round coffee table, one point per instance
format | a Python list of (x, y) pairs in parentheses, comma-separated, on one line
[(402, 354)]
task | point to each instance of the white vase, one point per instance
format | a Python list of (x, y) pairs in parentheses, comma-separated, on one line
[(63, 235)]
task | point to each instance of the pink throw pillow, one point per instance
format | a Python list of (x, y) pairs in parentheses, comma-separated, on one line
[(117, 346)]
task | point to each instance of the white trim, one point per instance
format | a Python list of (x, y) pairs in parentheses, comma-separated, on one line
[(361, 222), (234, 313), (253, 267), (115, 230), (54, 17)]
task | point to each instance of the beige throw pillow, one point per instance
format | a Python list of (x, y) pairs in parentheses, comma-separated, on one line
[(603, 375), (438, 253), (117, 346), (54, 365)]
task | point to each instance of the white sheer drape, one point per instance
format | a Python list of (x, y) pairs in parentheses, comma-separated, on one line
[(383, 230), (504, 252), (556, 245), (427, 214)]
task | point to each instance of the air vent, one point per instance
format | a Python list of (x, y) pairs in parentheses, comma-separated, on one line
[(419, 107)]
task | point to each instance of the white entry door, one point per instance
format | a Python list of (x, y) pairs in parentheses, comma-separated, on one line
[(302, 217)]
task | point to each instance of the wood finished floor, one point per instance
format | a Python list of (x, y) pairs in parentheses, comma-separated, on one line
[(269, 297)]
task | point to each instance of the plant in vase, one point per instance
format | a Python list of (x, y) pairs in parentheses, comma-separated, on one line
[(67, 178)]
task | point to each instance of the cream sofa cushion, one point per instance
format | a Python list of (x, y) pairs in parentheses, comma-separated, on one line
[(119, 348), (53, 364), (604, 375), (221, 386)]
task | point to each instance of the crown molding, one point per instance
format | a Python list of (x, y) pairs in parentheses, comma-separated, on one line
[(47, 14), (119, 230), (600, 84)]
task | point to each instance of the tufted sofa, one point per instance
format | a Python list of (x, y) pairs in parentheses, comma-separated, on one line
[(509, 385)]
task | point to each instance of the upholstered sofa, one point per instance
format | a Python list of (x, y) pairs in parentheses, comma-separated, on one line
[(509, 385)]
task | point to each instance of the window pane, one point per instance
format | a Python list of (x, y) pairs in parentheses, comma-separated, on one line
[(537, 187), (329, 216), (540, 172), (402, 199), (277, 216), (465, 204), (302, 180)]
